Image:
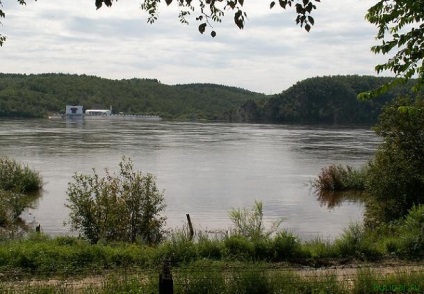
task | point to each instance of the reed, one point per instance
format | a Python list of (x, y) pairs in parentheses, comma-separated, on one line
[(340, 178)]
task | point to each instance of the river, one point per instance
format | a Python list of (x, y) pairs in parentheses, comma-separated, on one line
[(205, 169)]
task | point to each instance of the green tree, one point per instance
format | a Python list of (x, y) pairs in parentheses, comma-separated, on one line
[(401, 32), (117, 207), (395, 178)]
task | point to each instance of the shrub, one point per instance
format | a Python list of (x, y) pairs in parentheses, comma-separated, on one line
[(340, 178), (411, 234), (18, 178), (395, 178), (249, 223), (12, 204), (179, 247), (239, 247), (286, 246), (356, 243), (118, 207), (207, 248)]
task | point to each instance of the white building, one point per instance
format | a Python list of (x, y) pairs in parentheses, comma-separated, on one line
[(74, 110)]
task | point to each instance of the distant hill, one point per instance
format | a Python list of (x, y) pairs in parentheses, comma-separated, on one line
[(42, 94), (320, 100)]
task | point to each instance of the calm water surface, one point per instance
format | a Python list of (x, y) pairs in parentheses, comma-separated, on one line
[(204, 168)]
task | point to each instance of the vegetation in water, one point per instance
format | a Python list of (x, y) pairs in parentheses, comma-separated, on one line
[(340, 178), (19, 187), (17, 177)]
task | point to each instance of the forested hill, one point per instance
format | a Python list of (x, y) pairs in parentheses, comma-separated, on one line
[(325, 100), (42, 94)]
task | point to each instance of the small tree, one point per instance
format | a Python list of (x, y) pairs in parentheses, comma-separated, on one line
[(395, 178), (118, 207)]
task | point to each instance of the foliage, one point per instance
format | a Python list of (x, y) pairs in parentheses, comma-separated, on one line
[(117, 207), (340, 178), (355, 242), (213, 11), (249, 223), (43, 94), (401, 29), (17, 177), (324, 100), (12, 204), (65, 255), (395, 177), (410, 243), (17, 182)]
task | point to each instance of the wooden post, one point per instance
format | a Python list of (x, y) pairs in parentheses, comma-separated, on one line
[(166, 284), (190, 226)]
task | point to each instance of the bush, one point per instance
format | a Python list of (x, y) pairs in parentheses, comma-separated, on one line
[(18, 178), (395, 178), (355, 242), (411, 234), (249, 223), (239, 247), (340, 178), (286, 246), (118, 207)]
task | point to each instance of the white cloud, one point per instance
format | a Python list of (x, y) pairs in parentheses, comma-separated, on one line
[(268, 56)]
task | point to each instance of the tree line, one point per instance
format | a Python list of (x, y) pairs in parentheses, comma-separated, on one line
[(318, 100), (321, 100), (43, 94)]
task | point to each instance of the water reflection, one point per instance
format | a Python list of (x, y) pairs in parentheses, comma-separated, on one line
[(15, 216), (333, 199)]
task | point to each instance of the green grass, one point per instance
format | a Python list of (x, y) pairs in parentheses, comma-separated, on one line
[(238, 277), (41, 255)]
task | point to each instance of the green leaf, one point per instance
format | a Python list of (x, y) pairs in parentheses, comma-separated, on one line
[(283, 3), (307, 27), (202, 28), (239, 19)]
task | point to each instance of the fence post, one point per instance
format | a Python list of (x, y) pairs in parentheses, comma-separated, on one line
[(190, 227), (166, 284)]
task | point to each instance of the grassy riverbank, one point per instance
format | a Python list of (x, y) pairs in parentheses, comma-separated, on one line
[(41, 255), (40, 264)]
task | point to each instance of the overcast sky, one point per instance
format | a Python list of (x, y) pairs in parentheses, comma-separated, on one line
[(268, 56)]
